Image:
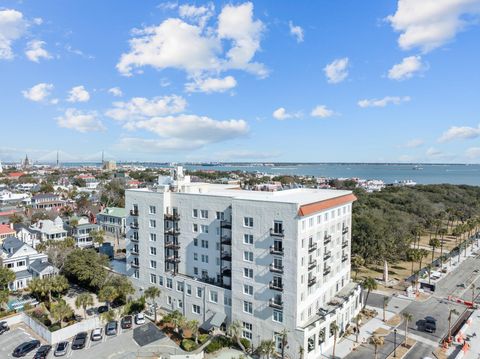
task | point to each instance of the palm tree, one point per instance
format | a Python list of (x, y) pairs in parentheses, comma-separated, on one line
[(6, 276), (434, 243), (60, 311), (368, 284), (193, 326), (177, 320), (357, 262), (152, 293), (58, 284), (358, 317), (84, 300), (284, 336), (108, 294), (472, 287), (449, 332), (334, 327), (442, 232), (234, 331), (267, 348), (385, 304), (413, 256), (98, 236), (4, 294), (377, 341), (407, 317), (109, 315), (422, 253), (429, 271)]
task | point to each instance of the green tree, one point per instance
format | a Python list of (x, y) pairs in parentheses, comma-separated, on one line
[(357, 263), (61, 311), (407, 317), (377, 341), (86, 267), (449, 332), (234, 331), (6, 276), (84, 300), (152, 293), (434, 243), (4, 294), (108, 294), (98, 236), (16, 218), (193, 326), (267, 348), (368, 284)]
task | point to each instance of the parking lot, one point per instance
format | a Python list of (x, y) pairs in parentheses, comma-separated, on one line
[(11, 339)]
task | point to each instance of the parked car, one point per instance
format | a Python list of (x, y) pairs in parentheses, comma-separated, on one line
[(111, 328), (42, 352), (126, 322), (102, 309), (4, 327), (25, 348), (140, 318), (61, 349), (96, 334), (79, 341), (430, 325)]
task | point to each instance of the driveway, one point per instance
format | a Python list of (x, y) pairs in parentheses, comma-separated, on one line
[(11, 339)]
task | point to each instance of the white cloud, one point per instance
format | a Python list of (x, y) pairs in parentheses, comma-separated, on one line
[(12, 27), (296, 31), (201, 130), (139, 108), (197, 50), (473, 152), (414, 143), (38, 93), (407, 68), (115, 91), (282, 114), (81, 121), (337, 71), (78, 94), (395, 100), (460, 133), (433, 152), (321, 111), (428, 24), (198, 14), (35, 51), (209, 85)]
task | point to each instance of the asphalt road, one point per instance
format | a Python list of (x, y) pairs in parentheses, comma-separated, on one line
[(383, 351), (11, 339)]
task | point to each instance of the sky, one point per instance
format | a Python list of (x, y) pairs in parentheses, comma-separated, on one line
[(265, 81)]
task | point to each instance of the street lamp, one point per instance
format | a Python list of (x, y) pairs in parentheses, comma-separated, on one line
[(395, 343)]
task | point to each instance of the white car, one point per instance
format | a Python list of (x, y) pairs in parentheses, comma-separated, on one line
[(96, 334), (140, 318)]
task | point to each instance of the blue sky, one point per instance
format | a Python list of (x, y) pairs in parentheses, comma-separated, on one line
[(310, 81)]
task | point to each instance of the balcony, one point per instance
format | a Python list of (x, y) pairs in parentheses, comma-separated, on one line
[(134, 251), (327, 255), (277, 233), (344, 257), (312, 281), (226, 224), (172, 231), (226, 256), (171, 216), (276, 250), (173, 259), (134, 225), (226, 272), (172, 245), (327, 270), (134, 212), (274, 303), (327, 239), (133, 239), (312, 247), (276, 286), (135, 264), (226, 240), (344, 244), (276, 269), (344, 230), (312, 264)]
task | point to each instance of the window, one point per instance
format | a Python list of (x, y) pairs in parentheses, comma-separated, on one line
[(247, 289), (180, 286), (199, 292), (277, 316), (213, 296), (311, 343), (247, 307), (204, 243), (169, 283), (169, 300), (227, 301), (204, 258), (278, 227), (195, 256), (160, 280), (189, 289), (180, 303), (195, 213), (195, 270), (204, 228), (153, 264), (248, 238), (195, 242), (153, 237), (153, 223), (248, 221), (153, 251), (310, 222), (248, 256), (247, 335), (219, 215), (203, 214), (195, 309), (248, 272), (153, 279), (136, 274), (152, 210), (247, 330), (321, 336)]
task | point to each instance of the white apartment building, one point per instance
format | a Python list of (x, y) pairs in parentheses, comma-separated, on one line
[(269, 260)]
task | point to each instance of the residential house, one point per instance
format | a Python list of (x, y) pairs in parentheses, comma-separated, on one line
[(50, 230), (6, 230), (113, 221), (81, 232), (27, 235), (47, 201)]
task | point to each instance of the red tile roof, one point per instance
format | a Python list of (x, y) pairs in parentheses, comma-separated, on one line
[(16, 174), (5, 229), (310, 208)]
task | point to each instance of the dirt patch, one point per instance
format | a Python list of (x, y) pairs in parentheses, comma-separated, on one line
[(394, 321), (403, 349)]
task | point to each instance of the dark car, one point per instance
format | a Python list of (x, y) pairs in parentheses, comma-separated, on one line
[(126, 322), (102, 309), (42, 352), (79, 341), (111, 328), (4, 327), (25, 348), (430, 325)]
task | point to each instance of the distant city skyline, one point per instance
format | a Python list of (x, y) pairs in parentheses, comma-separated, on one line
[(345, 81)]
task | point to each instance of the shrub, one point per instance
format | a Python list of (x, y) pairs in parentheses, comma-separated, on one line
[(202, 338), (188, 345), (245, 342), (135, 306), (54, 327), (218, 343)]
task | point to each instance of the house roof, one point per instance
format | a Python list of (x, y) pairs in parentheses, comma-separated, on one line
[(11, 245), (308, 209), (16, 174), (114, 212), (5, 229), (39, 266), (44, 196), (23, 274)]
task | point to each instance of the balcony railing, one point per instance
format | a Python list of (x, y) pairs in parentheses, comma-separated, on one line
[(226, 256), (327, 255), (226, 224), (135, 265), (226, 272), (344, 257), (226, 240), (276, 233), (312, 264), (134, 251), (344, 230), (173, 259), (344, 244), (312, 281), (276, 286), (172, 245), (134, 225), (327, 270), (312, 247), (171, 216), (276, 250), (277, 304), (276, 269), (327, 239), (133, 239), (172, 231), (134, 212)]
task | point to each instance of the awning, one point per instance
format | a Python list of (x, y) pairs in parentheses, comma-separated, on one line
[(214, 321)]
